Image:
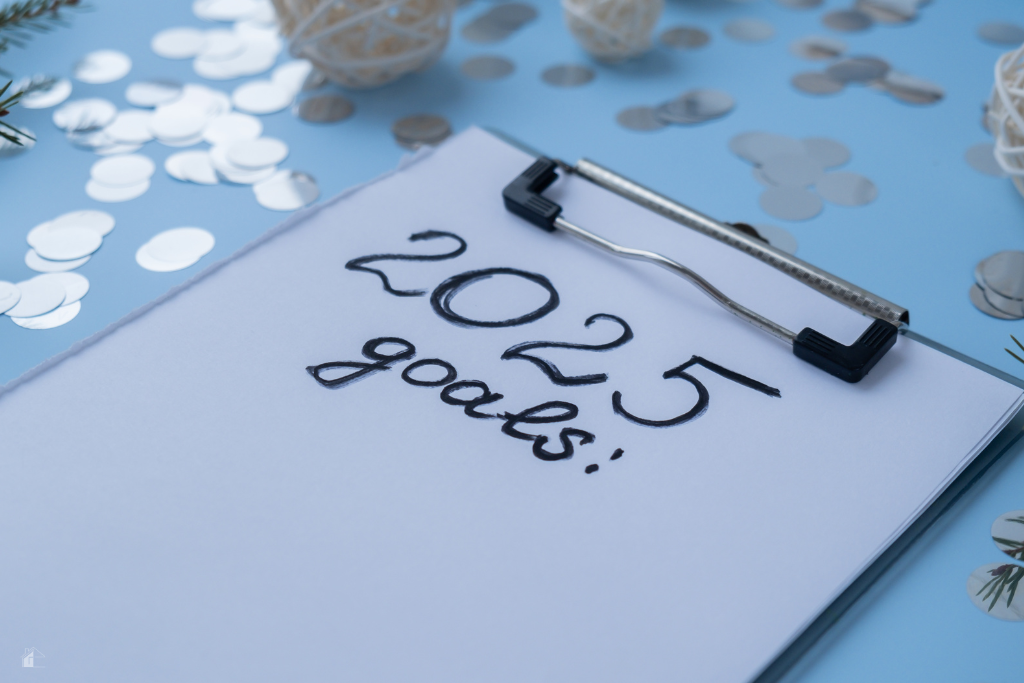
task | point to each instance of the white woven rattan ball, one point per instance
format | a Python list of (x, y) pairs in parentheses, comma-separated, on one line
[(1005, 118), (366, 43), (613, 30)]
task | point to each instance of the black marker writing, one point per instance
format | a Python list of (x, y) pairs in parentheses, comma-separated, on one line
[(384, 362), (551, 370), (533, 416), (442, 297), (360, 263), (703, 398)]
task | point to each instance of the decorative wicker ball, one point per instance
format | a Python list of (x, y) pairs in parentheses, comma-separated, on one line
[(1005, 116), (613, 30), (366, 43)]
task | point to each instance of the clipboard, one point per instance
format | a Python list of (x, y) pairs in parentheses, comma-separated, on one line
[(742, 237)]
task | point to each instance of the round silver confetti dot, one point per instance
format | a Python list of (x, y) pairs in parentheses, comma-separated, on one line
[(38, 295), (800, 4), (178, 245), (790, 203), (982, 158), (983, 590), (47, 321), (130, 127), (286, 191), (112, 194), (324, 109), (684, 37), (846, 189), (76, 286), (567, 75), (827, 152), (816, 83), (760, 177), (231, 127), (258, 153), (792, 170), (225, 10), (211, 102), (178, 43), (84, 115), (847, 21), (236, 174), (1001, 33), (103, 66), (9, 296), (256, 57), (144, 259), (487, 68), (426, 129), (750, 30), (817, 48), (642, 119), (198, 168), (912, 90), (757, 146), (67, 244), (261, 97), (178, 121), (221, 44), (128, 169), (888, 11), (152, 93), (777, 237), (314, 81), (100, 222), (696, 106), (858, 69), (292, 75), (56, 92), (1003, 274), (41, 265)]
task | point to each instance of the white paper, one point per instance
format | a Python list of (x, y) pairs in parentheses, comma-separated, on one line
[(182, 491)]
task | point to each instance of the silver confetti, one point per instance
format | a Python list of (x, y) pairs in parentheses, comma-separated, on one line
[(128, 169), (998, 604), (286, 191), (790, 203), (977, 296), (47, 321), (9, 295), (1001, 33), (827, 152), (421, 129), (817, 48), (696, 106), (178, 43), (324, 109), (750, 30), (261, 97), (816, 83), (84, 115), (567, 75), (487, 67), (640, 119), (911, 89), (847, 189), (256, 154), (67, 244), (103, 66), (757, 147), (858, 69), (684, 37), (112, 194), (41, 265), (498, 23), (848, 21), (43, 96), (152, 93), (792, 170), (39, 295), (230, 127)]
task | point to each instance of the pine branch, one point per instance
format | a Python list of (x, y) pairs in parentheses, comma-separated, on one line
[(5, 106), (19, 20)]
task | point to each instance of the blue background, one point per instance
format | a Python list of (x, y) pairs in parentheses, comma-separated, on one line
[(916, 245)]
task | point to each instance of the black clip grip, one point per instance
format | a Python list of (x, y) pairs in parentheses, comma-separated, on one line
[(522, 196), (848, 363)]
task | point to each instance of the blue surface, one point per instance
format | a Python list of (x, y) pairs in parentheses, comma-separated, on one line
[(917, 245)]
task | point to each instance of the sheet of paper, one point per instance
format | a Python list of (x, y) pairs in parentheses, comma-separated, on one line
[(204, 494)]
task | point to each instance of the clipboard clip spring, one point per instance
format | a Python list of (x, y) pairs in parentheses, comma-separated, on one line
[(852, 363)]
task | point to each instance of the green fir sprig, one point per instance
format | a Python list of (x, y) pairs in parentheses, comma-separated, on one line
[(18, 20), (1004, 578)]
